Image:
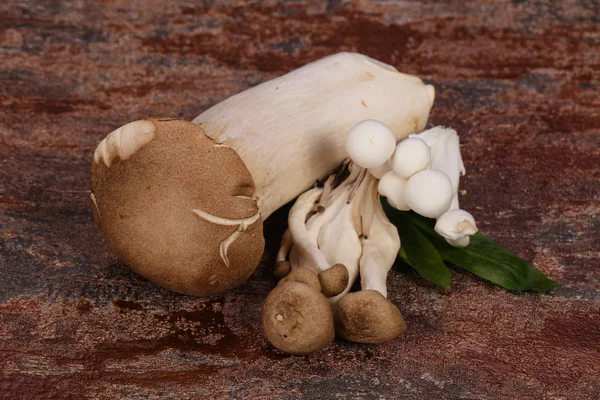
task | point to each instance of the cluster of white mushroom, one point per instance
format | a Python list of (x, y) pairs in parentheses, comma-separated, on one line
[(421, 173), (343, 221)]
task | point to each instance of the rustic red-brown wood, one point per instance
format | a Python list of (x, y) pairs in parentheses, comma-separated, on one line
[(519, 80)]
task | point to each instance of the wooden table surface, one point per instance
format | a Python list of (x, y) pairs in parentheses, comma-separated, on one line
[(520, 82)]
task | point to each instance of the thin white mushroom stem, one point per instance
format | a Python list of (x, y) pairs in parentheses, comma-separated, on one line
[(359, 199), (317, 221), (341, 244), (380, 250), (367, 210), (327, 188), (286, 245), (294, 258), (352, 230), (353, 171), (379, 172), (358, 182), (307, 252), (373, 271)]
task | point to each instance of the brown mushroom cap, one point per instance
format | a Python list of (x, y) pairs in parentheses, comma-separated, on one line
[(303, 275), (297, 319), (367, 317), (144, 191), (334, 280), (282, 268)]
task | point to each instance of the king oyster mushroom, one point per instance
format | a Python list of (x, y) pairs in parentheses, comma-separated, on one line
[(183, 203)]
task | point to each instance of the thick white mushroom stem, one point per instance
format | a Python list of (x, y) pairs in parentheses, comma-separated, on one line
[(316, 105)]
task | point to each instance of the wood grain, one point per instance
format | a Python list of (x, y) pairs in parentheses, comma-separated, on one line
[(517, 79)]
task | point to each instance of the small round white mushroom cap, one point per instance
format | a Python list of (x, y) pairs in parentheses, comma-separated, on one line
[(370, 143), (411, 156), (429, 193), (393, 186), (456, 226)]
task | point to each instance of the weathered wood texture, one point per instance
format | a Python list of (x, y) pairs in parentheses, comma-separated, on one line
[(519, 80)]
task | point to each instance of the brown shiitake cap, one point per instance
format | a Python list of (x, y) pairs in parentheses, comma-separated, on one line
[(334, 280), (176, 207), (367, 317), (297, 319), (303, 275), (282, 268)]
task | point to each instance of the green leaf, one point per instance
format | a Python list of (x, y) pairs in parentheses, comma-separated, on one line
[(417, 251), (486, 259)]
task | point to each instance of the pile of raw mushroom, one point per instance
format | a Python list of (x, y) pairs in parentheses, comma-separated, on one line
[(338, 231), (182, 203)]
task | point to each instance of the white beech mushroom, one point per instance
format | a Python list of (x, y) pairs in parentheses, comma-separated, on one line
[(443, 156), (393, 186), (429, 193), (370, 143), (183, 203), (411, 156), (455, 225)]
